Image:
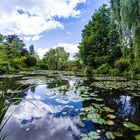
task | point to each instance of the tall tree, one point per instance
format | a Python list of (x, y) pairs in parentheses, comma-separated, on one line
[(127, 14), (56, 58), (31, 49), (100, 40)]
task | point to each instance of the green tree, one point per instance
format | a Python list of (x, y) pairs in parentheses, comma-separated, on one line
[(56, 58), (127, 15), (31, 49), (100, 40)]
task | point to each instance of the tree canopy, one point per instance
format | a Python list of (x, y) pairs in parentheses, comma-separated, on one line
[(56, 58)]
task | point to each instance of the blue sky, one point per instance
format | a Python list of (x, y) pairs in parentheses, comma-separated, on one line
[(47, 23)]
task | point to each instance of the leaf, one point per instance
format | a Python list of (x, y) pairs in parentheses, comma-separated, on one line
[(94, 135), (132, 126), (137, 137), (113, 135), (109, 122), (110, 135), (111, 116), (107, 109)]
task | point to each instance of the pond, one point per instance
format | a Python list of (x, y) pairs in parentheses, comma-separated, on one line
[(72, 108)]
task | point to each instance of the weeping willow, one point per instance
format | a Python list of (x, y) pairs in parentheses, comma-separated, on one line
[(127, 14)]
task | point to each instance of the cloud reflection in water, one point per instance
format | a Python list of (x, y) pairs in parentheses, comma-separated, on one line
[(30, 123)]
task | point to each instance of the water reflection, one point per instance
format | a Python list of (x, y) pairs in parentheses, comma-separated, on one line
[(56, 106), (32, 123)]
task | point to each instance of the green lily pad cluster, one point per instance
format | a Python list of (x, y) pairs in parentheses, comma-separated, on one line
[(132, 126), (91, 136), (94, 112), (113, 135)]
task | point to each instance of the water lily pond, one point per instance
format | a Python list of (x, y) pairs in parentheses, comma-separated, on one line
[(72, 108)]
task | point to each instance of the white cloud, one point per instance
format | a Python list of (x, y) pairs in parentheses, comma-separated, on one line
[(69, 33), (33, 38), (42, 51), (33, 17), (37, 37), (27, 38)]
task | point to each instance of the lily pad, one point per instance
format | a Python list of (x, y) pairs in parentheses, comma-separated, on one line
[(109, 122), (137, 137), (113, 135), (110, 135), (107, 109), (96, 118), (91, 136), (111, 116), (132, 126)]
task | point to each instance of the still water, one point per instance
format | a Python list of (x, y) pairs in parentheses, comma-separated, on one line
[(72, 108)]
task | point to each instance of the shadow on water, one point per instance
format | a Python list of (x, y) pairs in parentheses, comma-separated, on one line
[(62, 105)]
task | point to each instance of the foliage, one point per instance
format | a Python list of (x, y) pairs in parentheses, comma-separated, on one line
[(13, 54), (132, 126), (31, 61), (121, 65), (103, 69), (72, 65), (127, 13), (5, 67), (56, 58), (42, 65), (100, 40)]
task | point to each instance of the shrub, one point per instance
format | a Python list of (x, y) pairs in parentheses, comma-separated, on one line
[(42, 65), (121, 65), (31, 61), (72, 65), (114, 72), (87, 70), (136, 69), (5, 67), (103, 69), (18, 63)]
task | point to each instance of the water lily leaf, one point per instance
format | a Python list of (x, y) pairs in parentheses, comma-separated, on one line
[(107, 109), (110, 135), (92, 136), (98, 99), (111, 116), (96, 118), (109, 122), (118, 134), (132, 126), (137, 137)]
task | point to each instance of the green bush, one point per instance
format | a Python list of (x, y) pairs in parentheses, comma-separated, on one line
[(114, 72), (18, 63), (72, 66), (103, 69), (42, 65), (87, 70), (121, 65), (5, 67), (136, 69), (31, 61)]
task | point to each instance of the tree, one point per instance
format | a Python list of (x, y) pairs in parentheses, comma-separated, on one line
[(56, 58), (100, 40), (127, 15), (31, 49)]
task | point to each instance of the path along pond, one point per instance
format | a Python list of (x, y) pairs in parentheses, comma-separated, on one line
[(72, 108)]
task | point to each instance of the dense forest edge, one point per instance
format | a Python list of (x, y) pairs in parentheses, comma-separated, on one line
[(110, 45)]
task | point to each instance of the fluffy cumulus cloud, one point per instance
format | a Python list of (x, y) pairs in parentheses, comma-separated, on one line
[(42, 51), (33, 17)]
